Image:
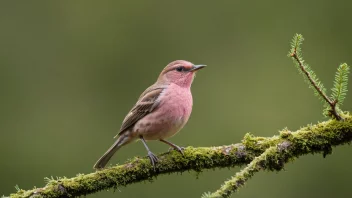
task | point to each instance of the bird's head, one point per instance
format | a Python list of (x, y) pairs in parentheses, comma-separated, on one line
[(180, 72)]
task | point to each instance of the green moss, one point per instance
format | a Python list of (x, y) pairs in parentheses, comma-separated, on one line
[(288, 146)]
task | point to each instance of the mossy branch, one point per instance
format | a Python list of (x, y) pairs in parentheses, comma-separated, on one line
[(311, 139), (283, 147), (241, 177)]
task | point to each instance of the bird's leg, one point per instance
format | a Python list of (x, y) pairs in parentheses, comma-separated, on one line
[(152, 157), (179, 149)]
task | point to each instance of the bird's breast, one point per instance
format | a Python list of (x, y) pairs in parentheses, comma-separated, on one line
[(172, 113), (177, 102)]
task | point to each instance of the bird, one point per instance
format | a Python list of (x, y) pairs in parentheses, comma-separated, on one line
[(161, 111)]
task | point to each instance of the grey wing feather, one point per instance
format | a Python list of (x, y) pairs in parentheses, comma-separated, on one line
[(147, 103)]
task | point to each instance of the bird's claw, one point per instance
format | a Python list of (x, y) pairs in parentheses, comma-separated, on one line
[(153, 158), (177, 148)]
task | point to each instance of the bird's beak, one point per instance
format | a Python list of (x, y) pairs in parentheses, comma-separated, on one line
[(197, 67)]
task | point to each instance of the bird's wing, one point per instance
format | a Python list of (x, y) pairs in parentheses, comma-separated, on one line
[(146, 103)]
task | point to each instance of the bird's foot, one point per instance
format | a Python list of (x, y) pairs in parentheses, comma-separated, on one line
[(177, 148), (153, 158)]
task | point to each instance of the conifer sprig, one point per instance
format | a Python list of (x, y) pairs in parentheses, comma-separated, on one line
[(340, 84), (312, 79)]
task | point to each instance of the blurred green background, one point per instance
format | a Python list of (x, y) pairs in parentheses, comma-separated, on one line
[(71, 70)]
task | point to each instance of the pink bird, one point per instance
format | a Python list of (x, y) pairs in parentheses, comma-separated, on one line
[(161, 111)]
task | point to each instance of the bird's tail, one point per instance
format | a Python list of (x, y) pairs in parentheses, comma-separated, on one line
[(101, 163)]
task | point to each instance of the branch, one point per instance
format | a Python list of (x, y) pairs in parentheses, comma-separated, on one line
[(326, 98), (275, 158), (311, 139), (239, 180)]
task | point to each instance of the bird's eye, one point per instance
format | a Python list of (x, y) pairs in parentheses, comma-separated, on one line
[(180, 69)]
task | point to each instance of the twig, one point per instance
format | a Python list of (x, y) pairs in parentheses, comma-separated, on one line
[(241, 177), (332, 104)]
